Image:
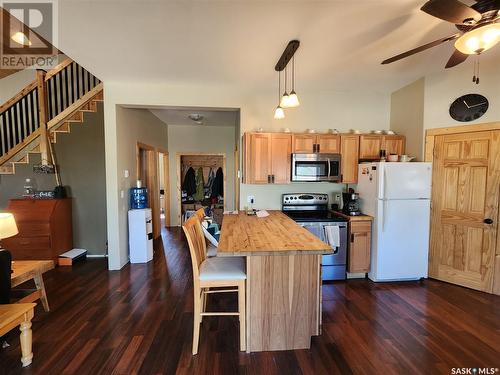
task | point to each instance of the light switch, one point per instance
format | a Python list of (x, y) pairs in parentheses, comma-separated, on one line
[(122, 194), (126, 173)]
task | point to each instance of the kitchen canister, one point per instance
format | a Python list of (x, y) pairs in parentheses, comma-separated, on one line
[(138, 197)]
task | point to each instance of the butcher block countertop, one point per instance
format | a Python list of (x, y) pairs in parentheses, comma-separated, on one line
[(362, 217), (276, 234)]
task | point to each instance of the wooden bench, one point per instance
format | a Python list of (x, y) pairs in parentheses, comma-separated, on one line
[(19, 314)]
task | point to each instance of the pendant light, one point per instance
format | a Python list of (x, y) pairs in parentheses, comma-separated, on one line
[(285, 98), (293, 99), (278, 112)]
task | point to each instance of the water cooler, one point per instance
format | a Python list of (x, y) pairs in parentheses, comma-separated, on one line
[(140, 235)]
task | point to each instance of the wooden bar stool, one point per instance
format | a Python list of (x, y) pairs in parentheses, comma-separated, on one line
[(228, 273), (212, 242)]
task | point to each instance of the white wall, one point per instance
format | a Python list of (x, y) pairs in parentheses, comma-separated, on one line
[(11, 85), (443, 88), (320, 110), (132, 126), (407, 116), (194, 138)]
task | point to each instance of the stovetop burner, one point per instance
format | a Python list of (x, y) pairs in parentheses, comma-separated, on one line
[(308, 207)]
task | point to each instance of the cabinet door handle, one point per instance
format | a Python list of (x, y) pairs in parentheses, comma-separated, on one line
[(488, 221), (317, 147), (272, 178), (352, 237), (268, 178)]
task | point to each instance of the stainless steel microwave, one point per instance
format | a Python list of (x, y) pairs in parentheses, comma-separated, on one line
[(316, 167)]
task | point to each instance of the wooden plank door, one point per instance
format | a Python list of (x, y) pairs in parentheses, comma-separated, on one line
[(259, 158), (349, 145), (464, 199), (281, 155)]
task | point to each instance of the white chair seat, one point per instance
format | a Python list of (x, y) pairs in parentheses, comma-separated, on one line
[(211, 250), (230, 268)]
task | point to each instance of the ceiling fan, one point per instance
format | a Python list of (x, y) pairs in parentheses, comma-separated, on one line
[(479, 29)]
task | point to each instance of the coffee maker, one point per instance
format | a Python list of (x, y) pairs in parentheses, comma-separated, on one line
[(350, 203)]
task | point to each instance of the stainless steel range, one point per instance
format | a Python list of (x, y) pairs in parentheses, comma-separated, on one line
[(310, 210)]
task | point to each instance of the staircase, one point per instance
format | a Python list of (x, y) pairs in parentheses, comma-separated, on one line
[(44, 109)]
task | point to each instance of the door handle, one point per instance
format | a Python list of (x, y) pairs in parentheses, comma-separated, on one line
[(488, 221), (317, 147), (268, 178), (272, 178), (314, 147), (352, 237)]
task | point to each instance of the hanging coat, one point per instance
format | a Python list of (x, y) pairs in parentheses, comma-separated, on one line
[(218, 186), (200, 184), (189, 184), (210, 183)]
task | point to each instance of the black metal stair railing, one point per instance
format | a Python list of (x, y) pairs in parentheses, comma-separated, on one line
[(63, 88)]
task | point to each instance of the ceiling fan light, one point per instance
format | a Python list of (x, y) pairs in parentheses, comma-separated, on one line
[(293, 100), (479, 39), (279, 113), (21, 38), (284, 103)]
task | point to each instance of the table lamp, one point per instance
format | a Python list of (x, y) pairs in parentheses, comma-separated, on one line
[(8, 227)]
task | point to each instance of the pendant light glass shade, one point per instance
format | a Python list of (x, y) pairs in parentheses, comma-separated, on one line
[(293, 100), (279, 113), (479, 40), (285, 99)]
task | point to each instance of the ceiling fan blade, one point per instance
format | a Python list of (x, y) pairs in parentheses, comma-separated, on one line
[(420, 49), (452, 11), (455, 59)]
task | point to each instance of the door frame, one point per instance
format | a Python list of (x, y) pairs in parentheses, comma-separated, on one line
[(166, 183), (154, 193), (430, 137), (178, 157)]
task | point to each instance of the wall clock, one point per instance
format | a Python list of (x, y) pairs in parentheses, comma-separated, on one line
[(469, 107)]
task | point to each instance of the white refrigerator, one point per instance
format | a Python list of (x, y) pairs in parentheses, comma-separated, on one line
[(397, 195)]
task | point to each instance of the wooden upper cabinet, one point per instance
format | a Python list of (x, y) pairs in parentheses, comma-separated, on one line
[(257, 158), (394, 144), (311, 143), (349, 150), (328, 143), (303, 143), (370, 146), (281, 158), (267, 158)]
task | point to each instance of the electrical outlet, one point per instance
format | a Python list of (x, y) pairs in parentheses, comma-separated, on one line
[(250, 199), (337, 197)]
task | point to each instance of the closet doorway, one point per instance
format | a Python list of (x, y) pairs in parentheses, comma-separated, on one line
[(191, 168), (147, 172)]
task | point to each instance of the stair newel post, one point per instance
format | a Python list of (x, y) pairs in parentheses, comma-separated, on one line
[(43, 116)]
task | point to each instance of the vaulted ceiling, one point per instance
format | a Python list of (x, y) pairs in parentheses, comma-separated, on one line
[(238, 42)]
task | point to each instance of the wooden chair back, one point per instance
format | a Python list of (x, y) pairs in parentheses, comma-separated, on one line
[(196, 242), (201, 214)]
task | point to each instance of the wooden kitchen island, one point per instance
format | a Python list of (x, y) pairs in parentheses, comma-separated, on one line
[(283, 287)]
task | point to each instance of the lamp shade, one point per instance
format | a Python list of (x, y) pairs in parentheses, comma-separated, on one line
[(8, 227), (479, 40)]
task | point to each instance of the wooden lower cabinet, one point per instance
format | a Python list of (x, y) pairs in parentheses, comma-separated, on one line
[(359, 246)]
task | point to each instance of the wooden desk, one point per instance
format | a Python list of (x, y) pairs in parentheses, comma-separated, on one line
[(19, 314), (283, 285), (24, 270)]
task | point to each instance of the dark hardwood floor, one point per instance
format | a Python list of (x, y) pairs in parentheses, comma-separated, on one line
[(139, 320)]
